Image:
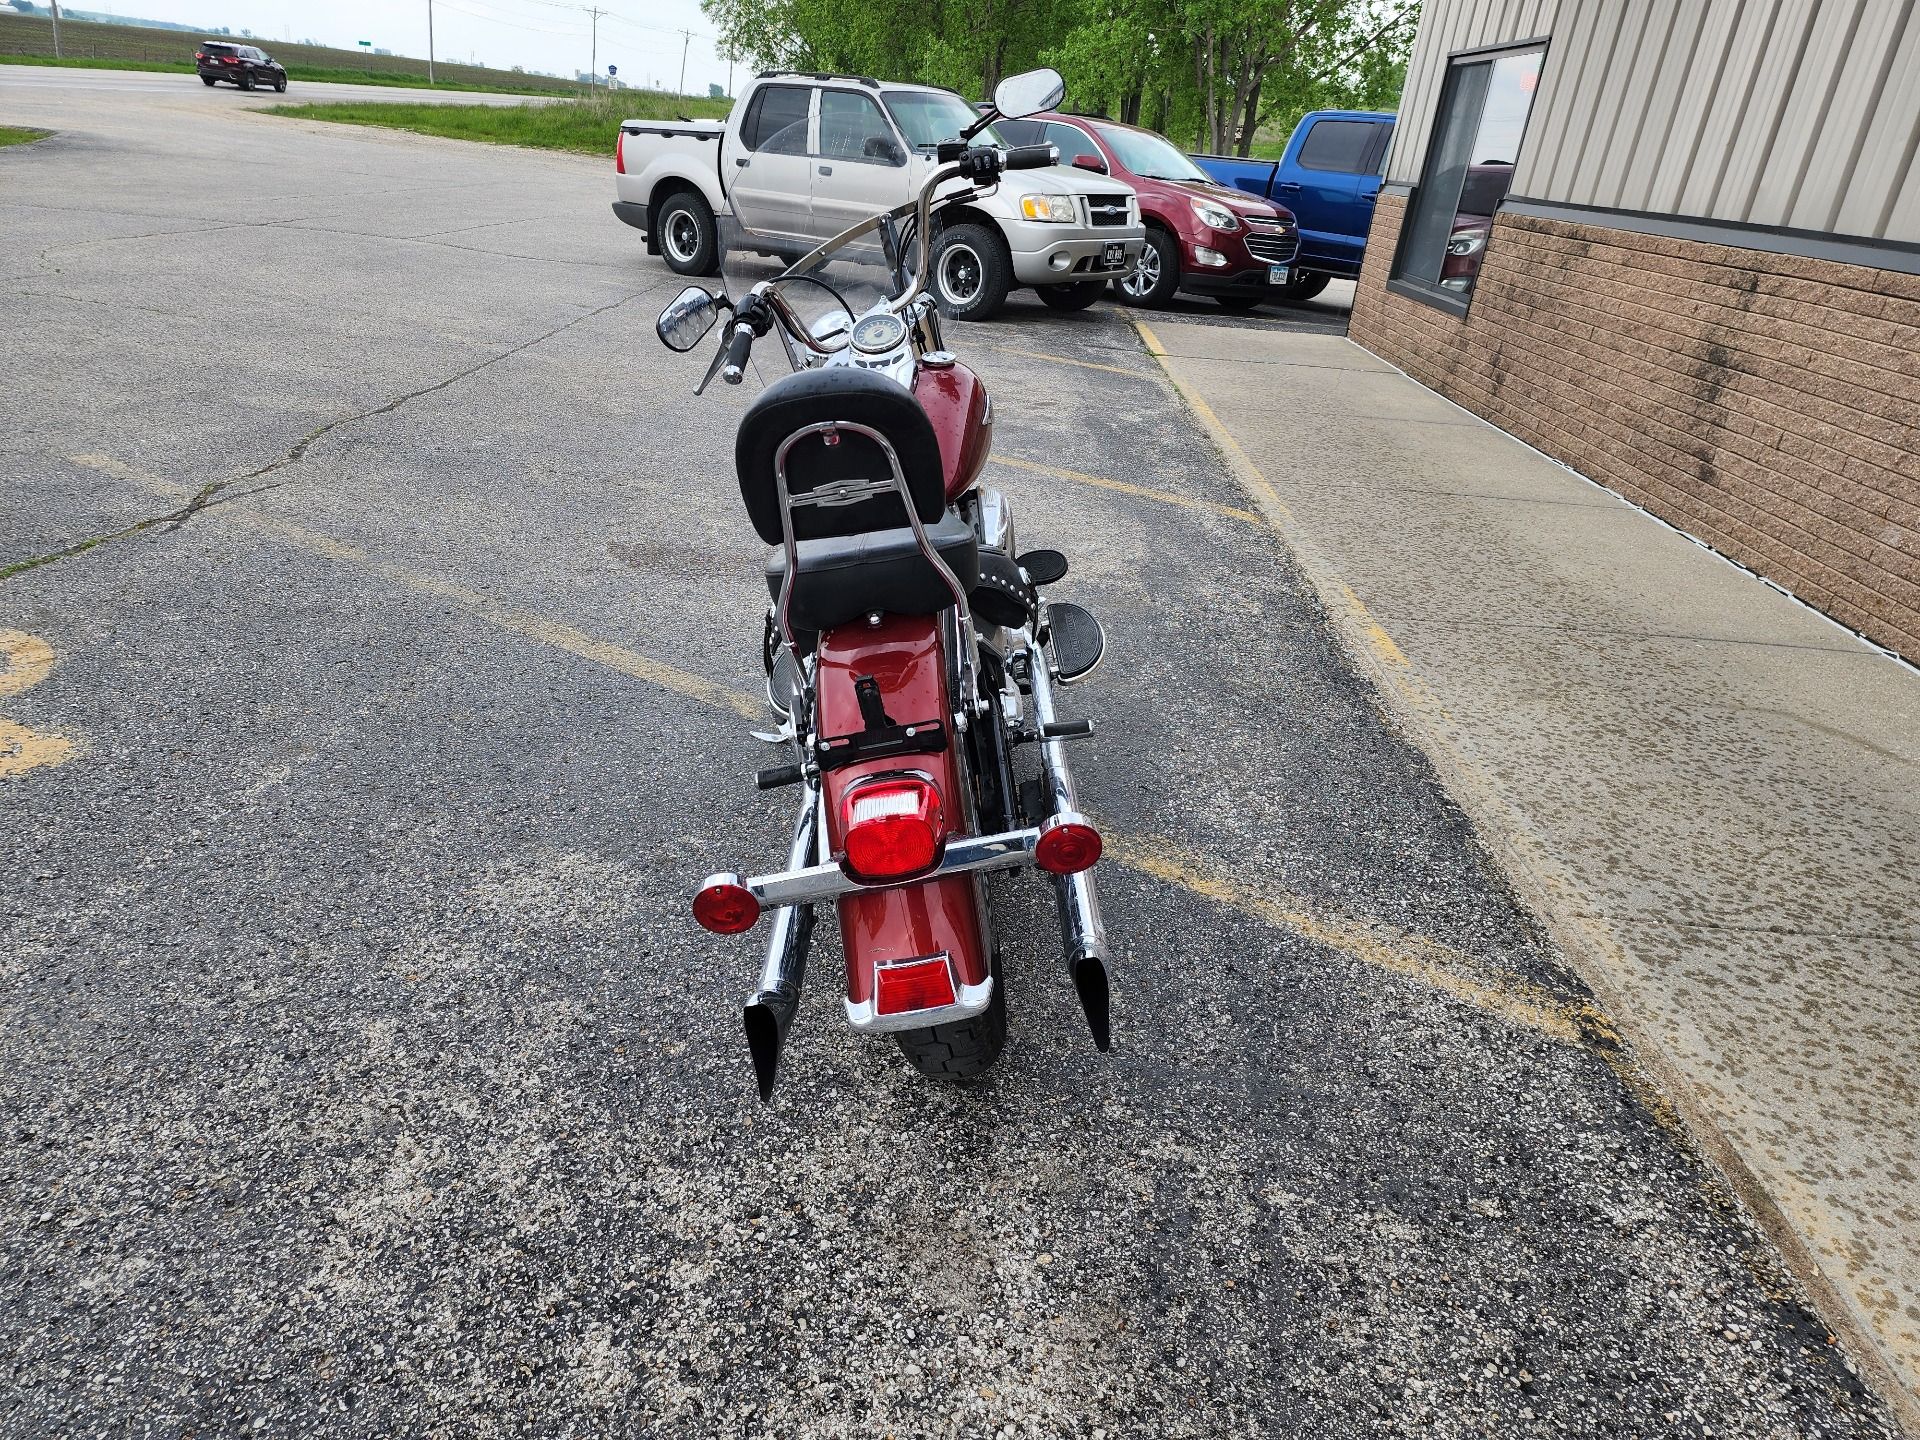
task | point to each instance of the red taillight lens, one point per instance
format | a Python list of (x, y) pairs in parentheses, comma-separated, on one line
[(229, 59), (725, 906), (620, 154), (893, 827), (1067, 845), (913, 985)]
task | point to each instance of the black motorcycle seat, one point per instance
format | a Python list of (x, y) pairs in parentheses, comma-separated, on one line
[(843, 577), (813, 397)]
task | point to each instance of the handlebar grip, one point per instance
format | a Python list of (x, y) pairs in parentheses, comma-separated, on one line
[(737, 348), (1032, 157)]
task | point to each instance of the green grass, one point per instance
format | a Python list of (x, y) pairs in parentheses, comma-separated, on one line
[(312, 74), (18, 135), (586, 126), (28, 40)]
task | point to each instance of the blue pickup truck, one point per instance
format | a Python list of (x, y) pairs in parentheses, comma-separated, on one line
[(1328, 178)]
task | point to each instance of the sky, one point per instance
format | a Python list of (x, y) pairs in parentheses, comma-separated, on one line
[(640, 37)]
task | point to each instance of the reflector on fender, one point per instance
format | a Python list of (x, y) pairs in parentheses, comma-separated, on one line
[(725, 905), (1068, 844), (894, 827), (909, 985)]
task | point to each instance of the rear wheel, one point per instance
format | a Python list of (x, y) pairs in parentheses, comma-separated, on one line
[(965, 1048), (207, 80), (1157, 275), (1071, 297), (972, 272), (689, 236), (246, 82)]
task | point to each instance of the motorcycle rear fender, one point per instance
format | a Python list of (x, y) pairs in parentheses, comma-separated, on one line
[(906, 656)]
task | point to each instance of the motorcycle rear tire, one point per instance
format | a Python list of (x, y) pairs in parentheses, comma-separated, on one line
[(964, 1049)]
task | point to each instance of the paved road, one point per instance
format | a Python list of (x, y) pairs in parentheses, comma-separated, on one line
[(362, 1075), (59, 85)]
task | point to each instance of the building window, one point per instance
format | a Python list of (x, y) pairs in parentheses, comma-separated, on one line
[(1477, 131)]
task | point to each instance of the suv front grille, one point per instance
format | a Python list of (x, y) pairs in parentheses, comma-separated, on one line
[(1274, 249), (1107, 209)]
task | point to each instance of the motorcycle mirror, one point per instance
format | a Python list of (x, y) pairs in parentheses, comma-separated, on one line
[(1029, 94), (687, 319)]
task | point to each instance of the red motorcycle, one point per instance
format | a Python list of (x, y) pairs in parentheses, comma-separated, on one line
[(909, 650)]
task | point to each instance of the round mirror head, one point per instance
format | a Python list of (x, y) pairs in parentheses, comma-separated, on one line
[(1029, 94), (687, 319)]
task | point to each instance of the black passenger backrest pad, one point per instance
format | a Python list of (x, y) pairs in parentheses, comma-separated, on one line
[(809, 397)]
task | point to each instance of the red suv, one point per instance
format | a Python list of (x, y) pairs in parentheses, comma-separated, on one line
[(1202, 237)]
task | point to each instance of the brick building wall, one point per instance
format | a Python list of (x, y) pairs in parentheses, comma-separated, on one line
[(1766, 404)]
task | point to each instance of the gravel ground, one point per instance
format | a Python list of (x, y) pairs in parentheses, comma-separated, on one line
[(362, 1075)]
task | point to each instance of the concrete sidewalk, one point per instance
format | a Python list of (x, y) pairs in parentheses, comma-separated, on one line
[(1710, 793)]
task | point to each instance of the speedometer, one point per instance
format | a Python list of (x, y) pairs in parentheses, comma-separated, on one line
[(878, 334)]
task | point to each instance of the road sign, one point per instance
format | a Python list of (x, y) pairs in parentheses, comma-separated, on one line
[(366, 42), (613, 69)]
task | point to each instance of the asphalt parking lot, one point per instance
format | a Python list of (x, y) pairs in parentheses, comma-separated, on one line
[(363, 1074)]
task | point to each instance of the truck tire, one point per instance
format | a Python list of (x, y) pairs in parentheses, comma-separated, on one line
[(965, 1048), (1071, 297), (1156, 277), (688, 235), (972, 272), (1302, 287)]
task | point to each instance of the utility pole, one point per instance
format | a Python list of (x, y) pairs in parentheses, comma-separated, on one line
[(56, 29), (429, 42), (593, 73), (686, 39)]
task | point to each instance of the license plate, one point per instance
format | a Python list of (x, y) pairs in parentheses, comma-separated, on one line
[(1114, 253), (1278, 274)]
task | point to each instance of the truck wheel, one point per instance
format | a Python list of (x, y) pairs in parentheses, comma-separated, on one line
[(1071, 297), (972, 272), (1156, 277), (965, 1048), (1303, 287), (689, 238)]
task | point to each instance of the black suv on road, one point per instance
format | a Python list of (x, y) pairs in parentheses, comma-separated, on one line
[(242, 64)]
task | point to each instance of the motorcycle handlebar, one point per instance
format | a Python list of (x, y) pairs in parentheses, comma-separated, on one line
[(737, 347), (1032, 157)]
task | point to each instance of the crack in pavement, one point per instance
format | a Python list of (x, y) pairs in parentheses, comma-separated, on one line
[(206, 494)]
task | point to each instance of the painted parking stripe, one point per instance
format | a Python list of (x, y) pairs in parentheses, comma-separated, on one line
[(1418, 958), (27, 661)]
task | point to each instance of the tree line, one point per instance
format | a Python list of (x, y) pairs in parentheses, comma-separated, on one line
[(1209, 73)]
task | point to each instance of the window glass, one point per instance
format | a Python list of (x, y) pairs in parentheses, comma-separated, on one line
[(1145, 153), (1470, 159), (779, 112), (1337, 145), (1072, 141), (852, 128), (927, 117), (1022, 132)]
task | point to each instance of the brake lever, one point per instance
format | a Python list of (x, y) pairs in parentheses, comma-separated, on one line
[(719, 359)]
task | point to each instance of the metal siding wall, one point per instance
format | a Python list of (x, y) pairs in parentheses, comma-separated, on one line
[(1448, 26), (1799, 113)]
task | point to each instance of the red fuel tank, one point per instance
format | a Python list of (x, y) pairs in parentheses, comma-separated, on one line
[(955, 400)]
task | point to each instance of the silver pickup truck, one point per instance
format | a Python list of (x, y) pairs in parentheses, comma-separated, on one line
[(803, 156)]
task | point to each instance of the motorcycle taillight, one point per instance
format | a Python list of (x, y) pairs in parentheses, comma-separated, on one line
[(908, 985), (893, 827)]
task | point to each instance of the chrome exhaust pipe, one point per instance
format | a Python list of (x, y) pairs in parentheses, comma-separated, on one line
[(769, 1011), (1081, 931)]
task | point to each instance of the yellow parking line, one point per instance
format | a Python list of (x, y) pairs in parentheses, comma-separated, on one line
[(1063, 360), (29, 660), (1144, 492), (1382, 947)]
